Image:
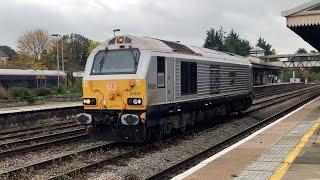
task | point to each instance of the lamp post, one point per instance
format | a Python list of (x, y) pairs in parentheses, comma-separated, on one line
[(114, 32), (58, 63), (62, 58)]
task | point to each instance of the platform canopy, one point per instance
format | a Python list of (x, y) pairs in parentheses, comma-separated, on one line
[(304, 20)]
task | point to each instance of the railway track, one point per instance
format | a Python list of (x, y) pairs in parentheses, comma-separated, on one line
[(103, 161), (264, 103), (24, 130), (61, 158), (270, 90), (6, 135), (21, 133), (40, 142), (90, 164)]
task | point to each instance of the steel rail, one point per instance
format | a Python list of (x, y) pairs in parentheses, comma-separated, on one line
[(40, 130), (55, 140), (101, 162), (13, 131), (61, 158), (278, 99)]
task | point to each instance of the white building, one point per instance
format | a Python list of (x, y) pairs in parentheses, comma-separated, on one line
[(257, 51)]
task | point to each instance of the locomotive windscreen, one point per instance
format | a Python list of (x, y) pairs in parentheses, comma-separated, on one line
[(115, 62)]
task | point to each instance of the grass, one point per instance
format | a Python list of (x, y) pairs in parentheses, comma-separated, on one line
[(26, 173), (76, 158)]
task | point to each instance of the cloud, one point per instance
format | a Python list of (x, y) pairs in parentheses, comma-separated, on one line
[(184, 20)]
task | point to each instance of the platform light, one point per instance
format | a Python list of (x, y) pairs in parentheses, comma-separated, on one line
[(114, 31)]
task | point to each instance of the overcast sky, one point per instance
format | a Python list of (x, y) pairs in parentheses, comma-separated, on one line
[(184, 20)]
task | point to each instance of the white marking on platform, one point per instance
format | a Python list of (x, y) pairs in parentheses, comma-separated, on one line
[(221, 153)]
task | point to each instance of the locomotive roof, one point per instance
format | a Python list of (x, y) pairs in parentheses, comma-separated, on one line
[(158, 45), (30, 72)]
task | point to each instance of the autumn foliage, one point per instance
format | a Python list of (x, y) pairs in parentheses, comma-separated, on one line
[(37, 49)]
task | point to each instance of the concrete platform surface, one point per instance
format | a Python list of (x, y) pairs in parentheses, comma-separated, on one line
[(307, 163), (260, 155), (55, 105)]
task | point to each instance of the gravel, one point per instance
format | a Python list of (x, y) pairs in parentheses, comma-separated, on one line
[(20, 161)]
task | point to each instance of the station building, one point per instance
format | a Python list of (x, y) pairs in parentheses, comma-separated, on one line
[(265, 72), (30, 78)]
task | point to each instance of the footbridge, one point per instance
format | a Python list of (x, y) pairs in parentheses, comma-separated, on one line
[(295, 61)]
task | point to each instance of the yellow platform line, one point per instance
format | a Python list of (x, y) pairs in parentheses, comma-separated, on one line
[(283, 168)]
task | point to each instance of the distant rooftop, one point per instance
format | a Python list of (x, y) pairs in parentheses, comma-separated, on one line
[(257, 49), (313, 5), (304, 20)]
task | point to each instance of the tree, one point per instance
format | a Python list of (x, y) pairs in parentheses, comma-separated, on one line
[(35, 47), (234, 44), (301, 51), (273, 52), (92, 46), (9, 51), (214, 39), (35, 43), (77, 50), (264, 45)]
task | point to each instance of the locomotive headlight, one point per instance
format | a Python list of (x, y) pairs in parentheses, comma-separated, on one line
[(89, 101), (120, 40), (134, 101), (86, 101)]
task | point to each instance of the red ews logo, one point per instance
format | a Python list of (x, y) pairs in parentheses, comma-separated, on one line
[(112, 86)]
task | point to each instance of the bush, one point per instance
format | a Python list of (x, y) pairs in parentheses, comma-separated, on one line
[(75, 91), (59, 91), (4, 93), (21, 93), (41, 92)]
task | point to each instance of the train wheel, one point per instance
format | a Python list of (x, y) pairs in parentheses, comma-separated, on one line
[(141, 133), (157, 133), (183, 129)]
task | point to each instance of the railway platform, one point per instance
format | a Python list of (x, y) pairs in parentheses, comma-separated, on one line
[(288, 148), (41, 107)]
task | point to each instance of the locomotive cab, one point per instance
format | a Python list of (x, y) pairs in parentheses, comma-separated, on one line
[(114, 86)]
